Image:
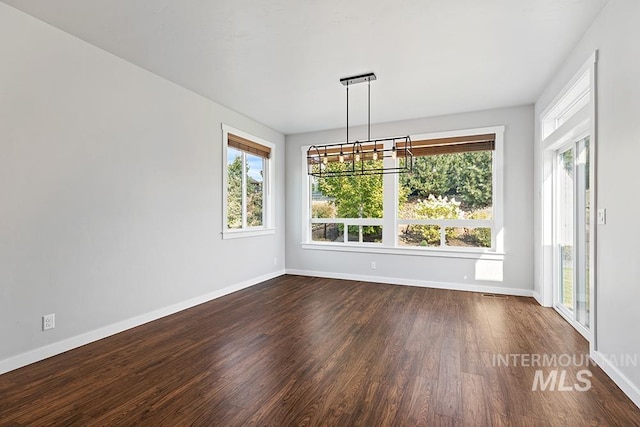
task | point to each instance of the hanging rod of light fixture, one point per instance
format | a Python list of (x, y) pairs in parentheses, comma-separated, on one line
[(351, 158)]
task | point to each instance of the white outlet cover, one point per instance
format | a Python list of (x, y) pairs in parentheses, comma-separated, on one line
[(48, 322), (602, 216)]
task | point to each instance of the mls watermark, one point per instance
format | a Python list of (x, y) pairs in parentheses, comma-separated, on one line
[(557, 380), (557, 372)]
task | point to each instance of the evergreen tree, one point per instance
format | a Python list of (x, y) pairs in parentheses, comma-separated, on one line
[(234, 193)]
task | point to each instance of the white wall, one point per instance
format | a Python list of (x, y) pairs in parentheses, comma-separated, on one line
[(110, 192), (434, 271), (615, 34)]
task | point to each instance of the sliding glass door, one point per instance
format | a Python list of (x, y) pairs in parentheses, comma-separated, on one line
[(572, 233)]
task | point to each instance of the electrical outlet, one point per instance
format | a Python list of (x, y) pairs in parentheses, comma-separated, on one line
[(48, 321), (602, 216), (373, 265)]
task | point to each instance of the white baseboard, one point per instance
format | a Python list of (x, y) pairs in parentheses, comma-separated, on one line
[(542, 301), (537, 297), (627, 387), (53, 349), (420, 283)]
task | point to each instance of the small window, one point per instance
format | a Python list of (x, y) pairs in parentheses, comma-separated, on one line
[(247, 200)]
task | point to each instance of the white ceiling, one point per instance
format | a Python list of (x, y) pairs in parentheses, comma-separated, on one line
[(279, 62)]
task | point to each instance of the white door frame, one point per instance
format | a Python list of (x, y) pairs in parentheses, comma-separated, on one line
[(581, 123)]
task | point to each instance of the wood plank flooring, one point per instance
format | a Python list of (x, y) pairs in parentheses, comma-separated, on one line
[(306, 351)]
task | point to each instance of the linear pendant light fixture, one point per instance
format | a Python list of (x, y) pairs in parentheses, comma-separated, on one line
[(352, 158)]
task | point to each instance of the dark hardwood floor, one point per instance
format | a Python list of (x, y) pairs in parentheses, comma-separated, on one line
[(307, 351)]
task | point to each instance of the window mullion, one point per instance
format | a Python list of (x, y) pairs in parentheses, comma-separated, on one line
[(244, 190), (389, 204)]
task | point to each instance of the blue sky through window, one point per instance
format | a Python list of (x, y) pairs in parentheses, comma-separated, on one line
[(255, 163), (255, 167)]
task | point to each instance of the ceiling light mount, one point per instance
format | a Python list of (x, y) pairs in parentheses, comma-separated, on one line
[(368, 77), (361, 157)]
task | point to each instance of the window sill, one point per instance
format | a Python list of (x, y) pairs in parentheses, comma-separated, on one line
[(238, 234), (474, 253)]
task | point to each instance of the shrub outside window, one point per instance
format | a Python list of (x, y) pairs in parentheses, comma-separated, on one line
[(454, 192)]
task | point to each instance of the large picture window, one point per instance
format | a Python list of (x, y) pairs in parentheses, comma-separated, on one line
[(450, 202), (246, 176)]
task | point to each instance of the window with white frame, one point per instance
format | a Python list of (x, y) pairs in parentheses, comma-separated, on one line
[(571, 104), (346, 208), (448, 199), (451, 202), (247, 196)]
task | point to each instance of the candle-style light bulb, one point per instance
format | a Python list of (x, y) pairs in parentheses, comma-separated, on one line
[(375, 154), (393, 152)]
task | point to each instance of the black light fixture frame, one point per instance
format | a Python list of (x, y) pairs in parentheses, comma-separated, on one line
[(360, 157)]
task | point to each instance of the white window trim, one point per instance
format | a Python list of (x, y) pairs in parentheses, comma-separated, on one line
[(578, 91), (374, 248), (390, 221), (268, 205)]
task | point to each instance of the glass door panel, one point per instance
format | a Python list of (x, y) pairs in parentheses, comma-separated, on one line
[(582, 232), (566, 227), (573, 230)]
